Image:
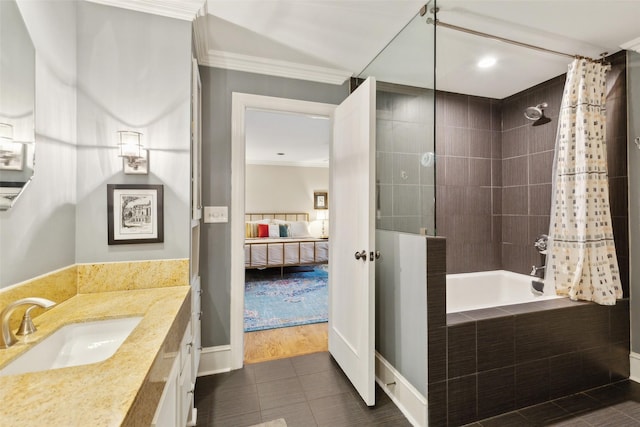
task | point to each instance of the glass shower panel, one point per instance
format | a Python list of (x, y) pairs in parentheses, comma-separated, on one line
[(633, 113), (405, 131)]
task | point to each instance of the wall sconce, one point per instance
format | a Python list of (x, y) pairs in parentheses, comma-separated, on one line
[(131, 150), (9, 149)]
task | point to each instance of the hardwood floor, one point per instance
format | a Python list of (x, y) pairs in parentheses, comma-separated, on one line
[(272, 344)]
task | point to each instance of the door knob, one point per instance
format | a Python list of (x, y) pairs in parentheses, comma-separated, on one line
[(361, 255), (374, 255)]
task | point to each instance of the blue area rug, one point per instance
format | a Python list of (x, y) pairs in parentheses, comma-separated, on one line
[(300, 297)]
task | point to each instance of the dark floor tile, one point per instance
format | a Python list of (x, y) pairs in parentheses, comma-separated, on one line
[(571, 422), (544, 413), (297, 414), (312, 363), (274, 370), (629, 408), (385, 412), (609, 417), (226, 380), (338, 410), (322, 384), (236, 401), (241, 420), (578, 403), (512, 419), (277, 393), (609, 394), (630, 388)]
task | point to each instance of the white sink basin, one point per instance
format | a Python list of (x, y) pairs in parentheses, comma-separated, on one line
[(73, 345)]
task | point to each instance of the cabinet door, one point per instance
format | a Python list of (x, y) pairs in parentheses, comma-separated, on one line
[(185, 394), (167, 414)]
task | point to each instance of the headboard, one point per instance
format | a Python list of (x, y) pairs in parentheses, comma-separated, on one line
[(285, 216)]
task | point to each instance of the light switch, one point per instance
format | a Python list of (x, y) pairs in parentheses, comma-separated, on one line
[(216, 214)]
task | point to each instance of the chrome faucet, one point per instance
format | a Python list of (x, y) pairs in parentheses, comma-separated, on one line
[(534, 270), (7, 339)]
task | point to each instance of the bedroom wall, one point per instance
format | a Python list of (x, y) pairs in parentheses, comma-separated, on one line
[(270, 188), (217, 88)]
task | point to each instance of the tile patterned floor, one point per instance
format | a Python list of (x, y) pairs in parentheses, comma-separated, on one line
[(306, 391), (312, 391), (615, 405)]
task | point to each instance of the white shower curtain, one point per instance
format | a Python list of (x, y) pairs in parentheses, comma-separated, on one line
[(581, 258)]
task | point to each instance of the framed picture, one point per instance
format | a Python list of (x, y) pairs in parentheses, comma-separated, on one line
[(135, 213), (320, 200), (14, 159), (139, 166)]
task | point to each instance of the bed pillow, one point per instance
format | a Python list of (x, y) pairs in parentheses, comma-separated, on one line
[(263, 230), (250, 230), (274, 230), (299, 229), (284, 230)]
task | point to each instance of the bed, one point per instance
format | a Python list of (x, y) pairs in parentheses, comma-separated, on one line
[(295, 249)]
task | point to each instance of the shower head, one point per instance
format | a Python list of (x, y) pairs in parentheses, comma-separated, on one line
[(542, 120), (537, 113)]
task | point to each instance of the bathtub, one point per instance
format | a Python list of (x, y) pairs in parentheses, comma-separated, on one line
[(473, 291)]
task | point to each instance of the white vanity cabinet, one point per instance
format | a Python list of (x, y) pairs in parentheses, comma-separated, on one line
[(176, 403)]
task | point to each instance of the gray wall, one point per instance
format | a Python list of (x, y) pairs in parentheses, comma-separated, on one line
[(38, 234), (134, 73), (217, 87), (633, 114)]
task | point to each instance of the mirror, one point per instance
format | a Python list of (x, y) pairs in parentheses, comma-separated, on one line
[(17, 104)]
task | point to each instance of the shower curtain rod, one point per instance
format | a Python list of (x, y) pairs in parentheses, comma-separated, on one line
[(439, 23)]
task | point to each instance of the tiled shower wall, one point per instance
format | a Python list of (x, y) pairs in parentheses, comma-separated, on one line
[(405, 183), (468, 180), (494, 174)]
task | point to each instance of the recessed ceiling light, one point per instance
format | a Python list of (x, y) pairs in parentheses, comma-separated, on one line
[(280, 154), (487, 61)]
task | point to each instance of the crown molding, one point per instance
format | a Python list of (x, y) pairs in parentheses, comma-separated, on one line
[(180, 9), (272, 67), (632, 45)]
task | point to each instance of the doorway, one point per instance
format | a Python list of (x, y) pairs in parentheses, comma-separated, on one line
[(241, 104), (286, 272)]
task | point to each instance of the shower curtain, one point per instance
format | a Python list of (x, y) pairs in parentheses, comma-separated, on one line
[(581, 258)]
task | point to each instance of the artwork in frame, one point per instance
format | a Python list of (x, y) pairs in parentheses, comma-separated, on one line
[(13, 160), (320, 200), (139, 166), (135, 213)]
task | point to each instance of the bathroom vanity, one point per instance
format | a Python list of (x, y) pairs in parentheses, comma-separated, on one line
[(148, 381)]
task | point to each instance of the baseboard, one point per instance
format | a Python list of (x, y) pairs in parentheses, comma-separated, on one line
[(409, 400), (634, 367), (214, 360)]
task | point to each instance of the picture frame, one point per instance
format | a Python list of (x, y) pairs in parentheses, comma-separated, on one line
[(320, 200), (15, 159), (139, 167), (135, 213)]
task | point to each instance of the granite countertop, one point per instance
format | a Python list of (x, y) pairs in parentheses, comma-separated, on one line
[(105, 393)]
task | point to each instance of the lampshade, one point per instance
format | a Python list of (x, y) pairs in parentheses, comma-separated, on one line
[(6, 131), (129, 144)]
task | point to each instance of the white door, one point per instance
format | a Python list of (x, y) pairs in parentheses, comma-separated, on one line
[(351, 262)]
